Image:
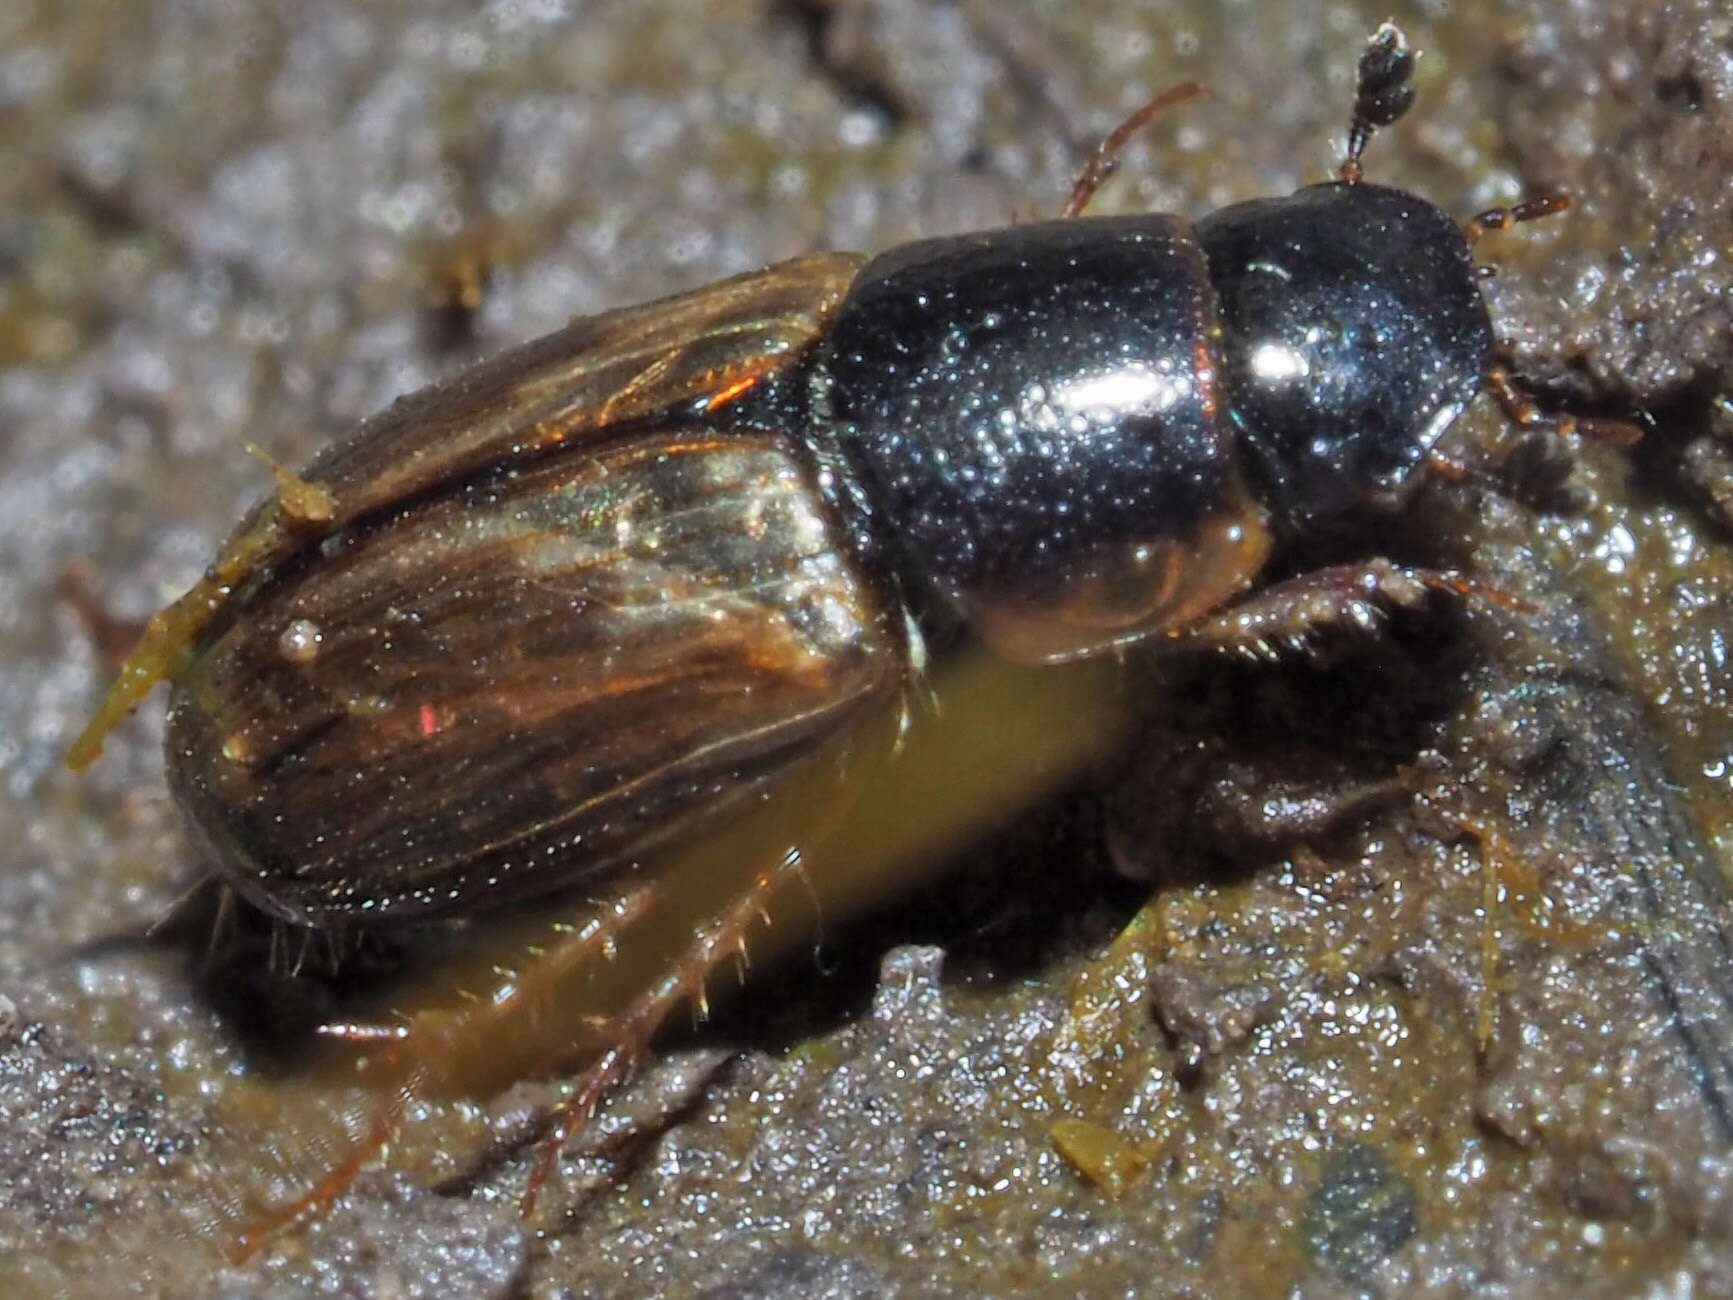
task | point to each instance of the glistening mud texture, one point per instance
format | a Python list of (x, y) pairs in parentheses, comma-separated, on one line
[(1272, 1060)]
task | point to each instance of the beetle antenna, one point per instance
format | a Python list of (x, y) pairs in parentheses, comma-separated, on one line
[(1499, 218), (1105, 160), (1383, 90)]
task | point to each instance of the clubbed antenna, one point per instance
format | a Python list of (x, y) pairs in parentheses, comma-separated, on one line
[(1382, 93)]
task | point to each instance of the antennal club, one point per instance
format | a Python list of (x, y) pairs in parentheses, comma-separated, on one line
[(1383, 91)]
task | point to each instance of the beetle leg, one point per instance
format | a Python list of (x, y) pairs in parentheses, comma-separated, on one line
[(387, 1119), (1518, 406), (417, 1051), (1520, 409), (1290, 616), (1106, 158), (112, 636), (632, 1030)]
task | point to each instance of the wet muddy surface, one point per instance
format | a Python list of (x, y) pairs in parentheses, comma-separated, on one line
[(1402, 969)]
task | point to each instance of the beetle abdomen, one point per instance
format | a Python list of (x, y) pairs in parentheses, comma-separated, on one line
[(1036, 411), (515, 684)]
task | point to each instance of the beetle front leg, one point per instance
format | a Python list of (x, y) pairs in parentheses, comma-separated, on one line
[(1290, 617), (1521, 410)]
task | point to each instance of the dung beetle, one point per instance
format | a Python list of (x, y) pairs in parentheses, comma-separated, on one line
[(529, 624)]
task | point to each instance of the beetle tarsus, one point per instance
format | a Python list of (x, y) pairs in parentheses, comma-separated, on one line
[(1522, 410), (387, 1120)]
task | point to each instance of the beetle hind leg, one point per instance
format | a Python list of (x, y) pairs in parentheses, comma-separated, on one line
[(422, 1056), (627, 1035), (387, 1119)]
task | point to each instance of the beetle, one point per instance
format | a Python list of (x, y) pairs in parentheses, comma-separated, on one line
[(530, 624)]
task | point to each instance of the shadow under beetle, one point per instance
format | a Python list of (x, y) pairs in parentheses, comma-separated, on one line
[(526, 625)]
